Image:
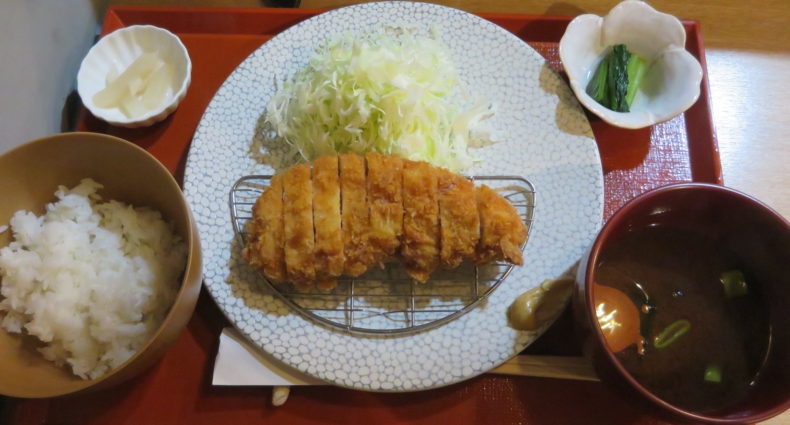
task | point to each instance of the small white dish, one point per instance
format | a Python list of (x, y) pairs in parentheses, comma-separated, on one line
[(118, 50), (672, 82)]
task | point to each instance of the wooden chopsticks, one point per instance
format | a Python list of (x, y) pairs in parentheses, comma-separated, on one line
[(562, 367)]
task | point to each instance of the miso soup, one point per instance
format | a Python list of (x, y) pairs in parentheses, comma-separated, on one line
[(702, 320)]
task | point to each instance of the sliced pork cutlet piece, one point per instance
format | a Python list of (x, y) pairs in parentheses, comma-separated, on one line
[(355, 216), (264, 249), (501, 230), (298, 225), (459, 222), (329, 258), (385, 204), (420, 243)]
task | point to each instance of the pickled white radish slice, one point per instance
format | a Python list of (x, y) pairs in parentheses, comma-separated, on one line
[(111, 95), (132, 105), (137, 85), (157, 84)]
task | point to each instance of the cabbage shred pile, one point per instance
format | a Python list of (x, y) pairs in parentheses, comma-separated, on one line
[(393, 94)]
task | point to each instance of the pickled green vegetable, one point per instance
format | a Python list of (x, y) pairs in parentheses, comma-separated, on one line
[(617, 79), (597, 86), (636, 71)]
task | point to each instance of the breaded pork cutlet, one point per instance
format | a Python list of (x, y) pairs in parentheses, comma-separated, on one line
[(459, 221), (501, 230), (329, 258), (309, 228), (355, 216), (264, 249), (298, 225), (420, 248), (384, 183)]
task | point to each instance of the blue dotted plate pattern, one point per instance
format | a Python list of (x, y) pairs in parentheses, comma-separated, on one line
[(544, 137)]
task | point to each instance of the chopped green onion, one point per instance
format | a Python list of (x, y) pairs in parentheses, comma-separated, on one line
[(671, 333), (734, 284), (636, 71), (596, 88), (713, 373)]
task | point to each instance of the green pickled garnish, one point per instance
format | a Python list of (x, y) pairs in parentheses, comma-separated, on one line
[(713, 373), (597, 86), (734, 284), (617, 78), (636, 71), (671, 333)]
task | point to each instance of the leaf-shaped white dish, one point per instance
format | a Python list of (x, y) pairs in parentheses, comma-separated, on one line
[(672, 82)]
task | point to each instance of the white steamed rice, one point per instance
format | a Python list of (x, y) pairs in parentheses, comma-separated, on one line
[(92, 280)]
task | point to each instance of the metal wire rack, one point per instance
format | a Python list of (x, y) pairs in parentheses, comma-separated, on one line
[(386, 301)]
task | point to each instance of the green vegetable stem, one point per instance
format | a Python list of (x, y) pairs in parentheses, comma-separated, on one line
[(636, 71), (597, 86), (617, 79)]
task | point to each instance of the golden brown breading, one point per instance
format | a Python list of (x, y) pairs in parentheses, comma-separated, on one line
[(329, 258), (264, 249), (459, 222), (420, 248), (309, 230), (355, 217), (385, 204), (298, 225), (501, 230)]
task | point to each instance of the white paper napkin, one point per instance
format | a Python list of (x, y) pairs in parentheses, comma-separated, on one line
[(240, 363)]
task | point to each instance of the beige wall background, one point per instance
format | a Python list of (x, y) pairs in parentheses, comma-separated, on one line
[(194, 3), (42, 45)]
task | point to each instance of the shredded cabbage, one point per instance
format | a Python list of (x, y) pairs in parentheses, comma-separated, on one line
[(389, 93)]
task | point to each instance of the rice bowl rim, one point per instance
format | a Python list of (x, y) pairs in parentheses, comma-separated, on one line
[(193, 248)]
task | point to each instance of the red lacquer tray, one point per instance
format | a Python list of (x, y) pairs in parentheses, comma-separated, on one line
[(178, 389)]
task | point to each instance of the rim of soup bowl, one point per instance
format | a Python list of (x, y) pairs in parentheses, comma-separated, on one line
[(604, 235)]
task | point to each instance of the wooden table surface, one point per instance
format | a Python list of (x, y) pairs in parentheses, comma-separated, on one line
[(748, 55)]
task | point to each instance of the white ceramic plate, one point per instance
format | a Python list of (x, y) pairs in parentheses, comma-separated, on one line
[(545, 138)]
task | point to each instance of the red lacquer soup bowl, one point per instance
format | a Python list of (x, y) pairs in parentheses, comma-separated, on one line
[(684, 298)]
